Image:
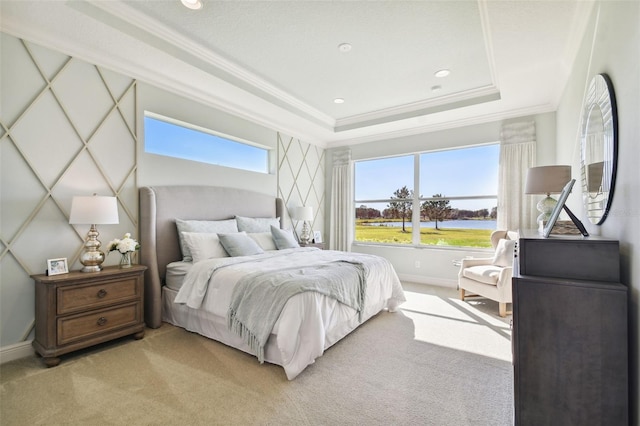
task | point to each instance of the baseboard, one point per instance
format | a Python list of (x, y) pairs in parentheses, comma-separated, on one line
[(421, 279), (16, 351)]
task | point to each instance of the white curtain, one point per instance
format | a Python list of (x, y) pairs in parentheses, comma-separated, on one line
[(341, 215), (517, 154)]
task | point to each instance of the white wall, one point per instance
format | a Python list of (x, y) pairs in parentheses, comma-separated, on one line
[(435, 263), (612, 45)]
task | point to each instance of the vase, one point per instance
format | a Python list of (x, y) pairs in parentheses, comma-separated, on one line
[(125, 260)]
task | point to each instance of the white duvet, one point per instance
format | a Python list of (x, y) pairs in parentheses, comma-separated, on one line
[(310, 322)]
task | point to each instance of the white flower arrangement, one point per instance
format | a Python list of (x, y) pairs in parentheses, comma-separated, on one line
[(125, 245)]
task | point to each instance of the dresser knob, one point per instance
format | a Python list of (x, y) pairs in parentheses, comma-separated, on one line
[(102, 321), (102, 293)]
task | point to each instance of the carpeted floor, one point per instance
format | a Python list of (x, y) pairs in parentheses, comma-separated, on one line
[(439, 361)]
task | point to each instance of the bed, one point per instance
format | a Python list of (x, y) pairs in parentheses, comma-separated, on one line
[(202, 294)]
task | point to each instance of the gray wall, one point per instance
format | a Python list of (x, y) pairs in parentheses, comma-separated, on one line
[(612, 45)]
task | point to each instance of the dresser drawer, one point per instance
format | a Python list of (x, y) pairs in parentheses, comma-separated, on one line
[(77, 327), (82, 297)]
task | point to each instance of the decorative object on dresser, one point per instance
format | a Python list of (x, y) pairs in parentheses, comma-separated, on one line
[(546, 180), (57, 266), (126, 246), (560, 205), (317, 237), (599, 148), (77, 310), (570, 347), (305, 214), (93, 210)]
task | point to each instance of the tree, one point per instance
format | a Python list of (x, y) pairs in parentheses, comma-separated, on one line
[(401, 209), (437, 210)]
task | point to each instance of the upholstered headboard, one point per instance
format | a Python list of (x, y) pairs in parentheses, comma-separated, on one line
[(159, 208)]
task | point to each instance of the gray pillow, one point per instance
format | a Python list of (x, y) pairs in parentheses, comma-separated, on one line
[(256, 224), (284, 239), (239, 244), (202, 226)]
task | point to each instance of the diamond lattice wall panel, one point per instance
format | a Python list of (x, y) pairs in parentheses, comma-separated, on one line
[(17, 301), (301, 179), (46, 138), (84, 96), (21, 191), (21, 82), (74, 136)]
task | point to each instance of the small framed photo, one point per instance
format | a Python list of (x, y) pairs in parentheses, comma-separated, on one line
[(57, 266), (317, 236)]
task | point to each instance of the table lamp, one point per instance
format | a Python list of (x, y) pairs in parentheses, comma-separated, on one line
[(305, 214), (93, 210), (546, 180)]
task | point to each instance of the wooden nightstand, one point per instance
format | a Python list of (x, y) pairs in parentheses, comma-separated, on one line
[(319, 245), (81, 309)]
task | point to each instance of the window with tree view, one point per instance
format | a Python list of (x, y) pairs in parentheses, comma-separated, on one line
[(453, 194)]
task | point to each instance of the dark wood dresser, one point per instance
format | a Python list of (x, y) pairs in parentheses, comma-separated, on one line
[(81, 309), (570, 350)]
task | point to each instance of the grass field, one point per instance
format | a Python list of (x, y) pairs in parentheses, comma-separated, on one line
[(429, 236)]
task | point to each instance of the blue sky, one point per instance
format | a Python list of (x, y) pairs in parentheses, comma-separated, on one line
[(176, 141), (459, 172)]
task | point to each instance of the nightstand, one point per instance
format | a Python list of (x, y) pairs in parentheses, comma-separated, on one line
[(81, 309), (318, 245)]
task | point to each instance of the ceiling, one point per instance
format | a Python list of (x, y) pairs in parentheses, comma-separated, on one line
[(283, 63)]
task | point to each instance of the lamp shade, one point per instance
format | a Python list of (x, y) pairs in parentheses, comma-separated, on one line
[(547, 179), (94, 210), (304, 213)]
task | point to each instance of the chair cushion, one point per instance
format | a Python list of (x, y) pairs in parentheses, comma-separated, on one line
[(487, 274), (504, 253)]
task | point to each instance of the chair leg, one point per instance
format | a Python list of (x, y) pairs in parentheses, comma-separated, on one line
[(502, 307), (462, 294)]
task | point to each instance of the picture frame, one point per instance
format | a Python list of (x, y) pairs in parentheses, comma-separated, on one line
[(317, 236), (57, 266), (559, 207)]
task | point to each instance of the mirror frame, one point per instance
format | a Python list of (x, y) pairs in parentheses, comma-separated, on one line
[(600, 95)]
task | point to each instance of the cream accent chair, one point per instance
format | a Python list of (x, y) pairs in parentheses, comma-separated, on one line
[(490, 277)]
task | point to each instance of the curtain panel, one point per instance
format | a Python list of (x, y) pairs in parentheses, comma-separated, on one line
[(341, 214), (517, 155)]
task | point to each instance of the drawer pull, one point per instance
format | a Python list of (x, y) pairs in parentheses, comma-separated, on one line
[(102, 321), (102, 293)]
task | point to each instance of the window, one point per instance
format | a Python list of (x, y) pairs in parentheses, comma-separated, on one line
[(453, 194), (172, 138)]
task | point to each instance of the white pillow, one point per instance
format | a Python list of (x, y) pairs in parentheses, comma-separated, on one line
[(504, 253), (256, 224), (284, 239), (239, 244), (204, 245), (264, 240), (202, 226)]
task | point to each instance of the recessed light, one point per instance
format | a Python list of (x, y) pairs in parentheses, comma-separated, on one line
[(442, 73), (192, 4), (344, 47), (338, 101)]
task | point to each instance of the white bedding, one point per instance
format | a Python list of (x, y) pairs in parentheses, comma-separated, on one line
[(309, 322)]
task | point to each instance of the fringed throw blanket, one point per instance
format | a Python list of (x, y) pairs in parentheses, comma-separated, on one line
[(258, 298)]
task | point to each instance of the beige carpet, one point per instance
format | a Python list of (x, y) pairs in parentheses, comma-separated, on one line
[(438, 362)]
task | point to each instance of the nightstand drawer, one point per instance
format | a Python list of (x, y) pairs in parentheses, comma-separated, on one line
[(82, 326), (83, 297)]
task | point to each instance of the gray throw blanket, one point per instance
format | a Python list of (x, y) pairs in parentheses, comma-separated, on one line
[(258, 298)]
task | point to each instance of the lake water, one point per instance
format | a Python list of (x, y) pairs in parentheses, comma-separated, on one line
[(468, 224)]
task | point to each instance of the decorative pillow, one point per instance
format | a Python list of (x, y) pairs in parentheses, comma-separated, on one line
[(239, 244), (204, 246), (504, 253), (202, 226), (256, 224), (264, 240), (284, 239)]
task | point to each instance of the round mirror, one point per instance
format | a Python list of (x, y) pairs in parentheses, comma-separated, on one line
[(599, 136)]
